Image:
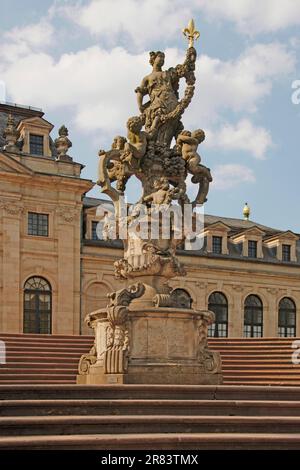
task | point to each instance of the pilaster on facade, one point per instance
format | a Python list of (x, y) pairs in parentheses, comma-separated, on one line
[(11, 292), (271, 313)]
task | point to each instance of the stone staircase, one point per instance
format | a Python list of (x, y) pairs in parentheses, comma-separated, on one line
[(53, 359), (122, 417), (258, 361), (42, 359), (42, 408)]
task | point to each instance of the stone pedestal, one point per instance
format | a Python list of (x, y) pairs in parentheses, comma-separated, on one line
[(153, 346)]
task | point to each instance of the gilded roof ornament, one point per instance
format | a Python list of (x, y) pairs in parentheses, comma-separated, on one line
[(246, 212)]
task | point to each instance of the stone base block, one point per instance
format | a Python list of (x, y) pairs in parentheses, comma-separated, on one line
[(159, 345), (156, 374), (100, 379)]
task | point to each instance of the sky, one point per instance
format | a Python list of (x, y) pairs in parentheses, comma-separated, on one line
[(80, 61)]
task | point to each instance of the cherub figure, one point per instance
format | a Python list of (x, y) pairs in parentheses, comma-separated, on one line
[(162, 195), (138, 139), (111, 161), (188, 143), (118, 143)]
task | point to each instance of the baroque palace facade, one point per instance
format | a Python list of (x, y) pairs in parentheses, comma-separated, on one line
[(55, 270)]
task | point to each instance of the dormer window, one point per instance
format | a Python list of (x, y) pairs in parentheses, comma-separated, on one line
[(251, 240), (286, 252), (36, 143), (217, 245), (216, 238), (284, 244), (252, 249), (35, 132)]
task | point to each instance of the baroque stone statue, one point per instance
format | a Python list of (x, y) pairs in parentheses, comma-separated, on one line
[(11, 135), (163, 111), (161, 154), (162, 168)]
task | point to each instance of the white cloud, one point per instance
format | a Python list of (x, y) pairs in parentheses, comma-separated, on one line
[(241, 136), (253, 17), (99, 84), (238, 85), (140, 21), (21, 41), (295, 42), (231, 175), (35, 35), (2, 91)]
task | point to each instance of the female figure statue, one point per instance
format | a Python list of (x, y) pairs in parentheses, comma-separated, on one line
[(163, 111)]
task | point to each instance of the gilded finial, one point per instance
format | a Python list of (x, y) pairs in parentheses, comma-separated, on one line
[(246, 212), (191, 33)]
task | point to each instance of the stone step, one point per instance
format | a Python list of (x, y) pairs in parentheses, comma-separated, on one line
[(251, 340), (240, 369), (36, 382), (89, 338), (161, 392), (12, 345), (259, 382), (18, 365), (42, 372), (227, 342), (149, 407), (263, 379), (249, 362), (252, 347), (56, 359), (47, 342), (262, 374), (16, 345), (255, 354), (38, 375), (262, 368), (44, 354), (274, 383), (43, 337), (167, 441), (57, 369), (37, 349), (68, 425)]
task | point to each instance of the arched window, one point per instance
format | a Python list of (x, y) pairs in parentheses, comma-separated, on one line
[(37, 306), (181, 298), (253, 317), (218, 304), (287, 318)]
